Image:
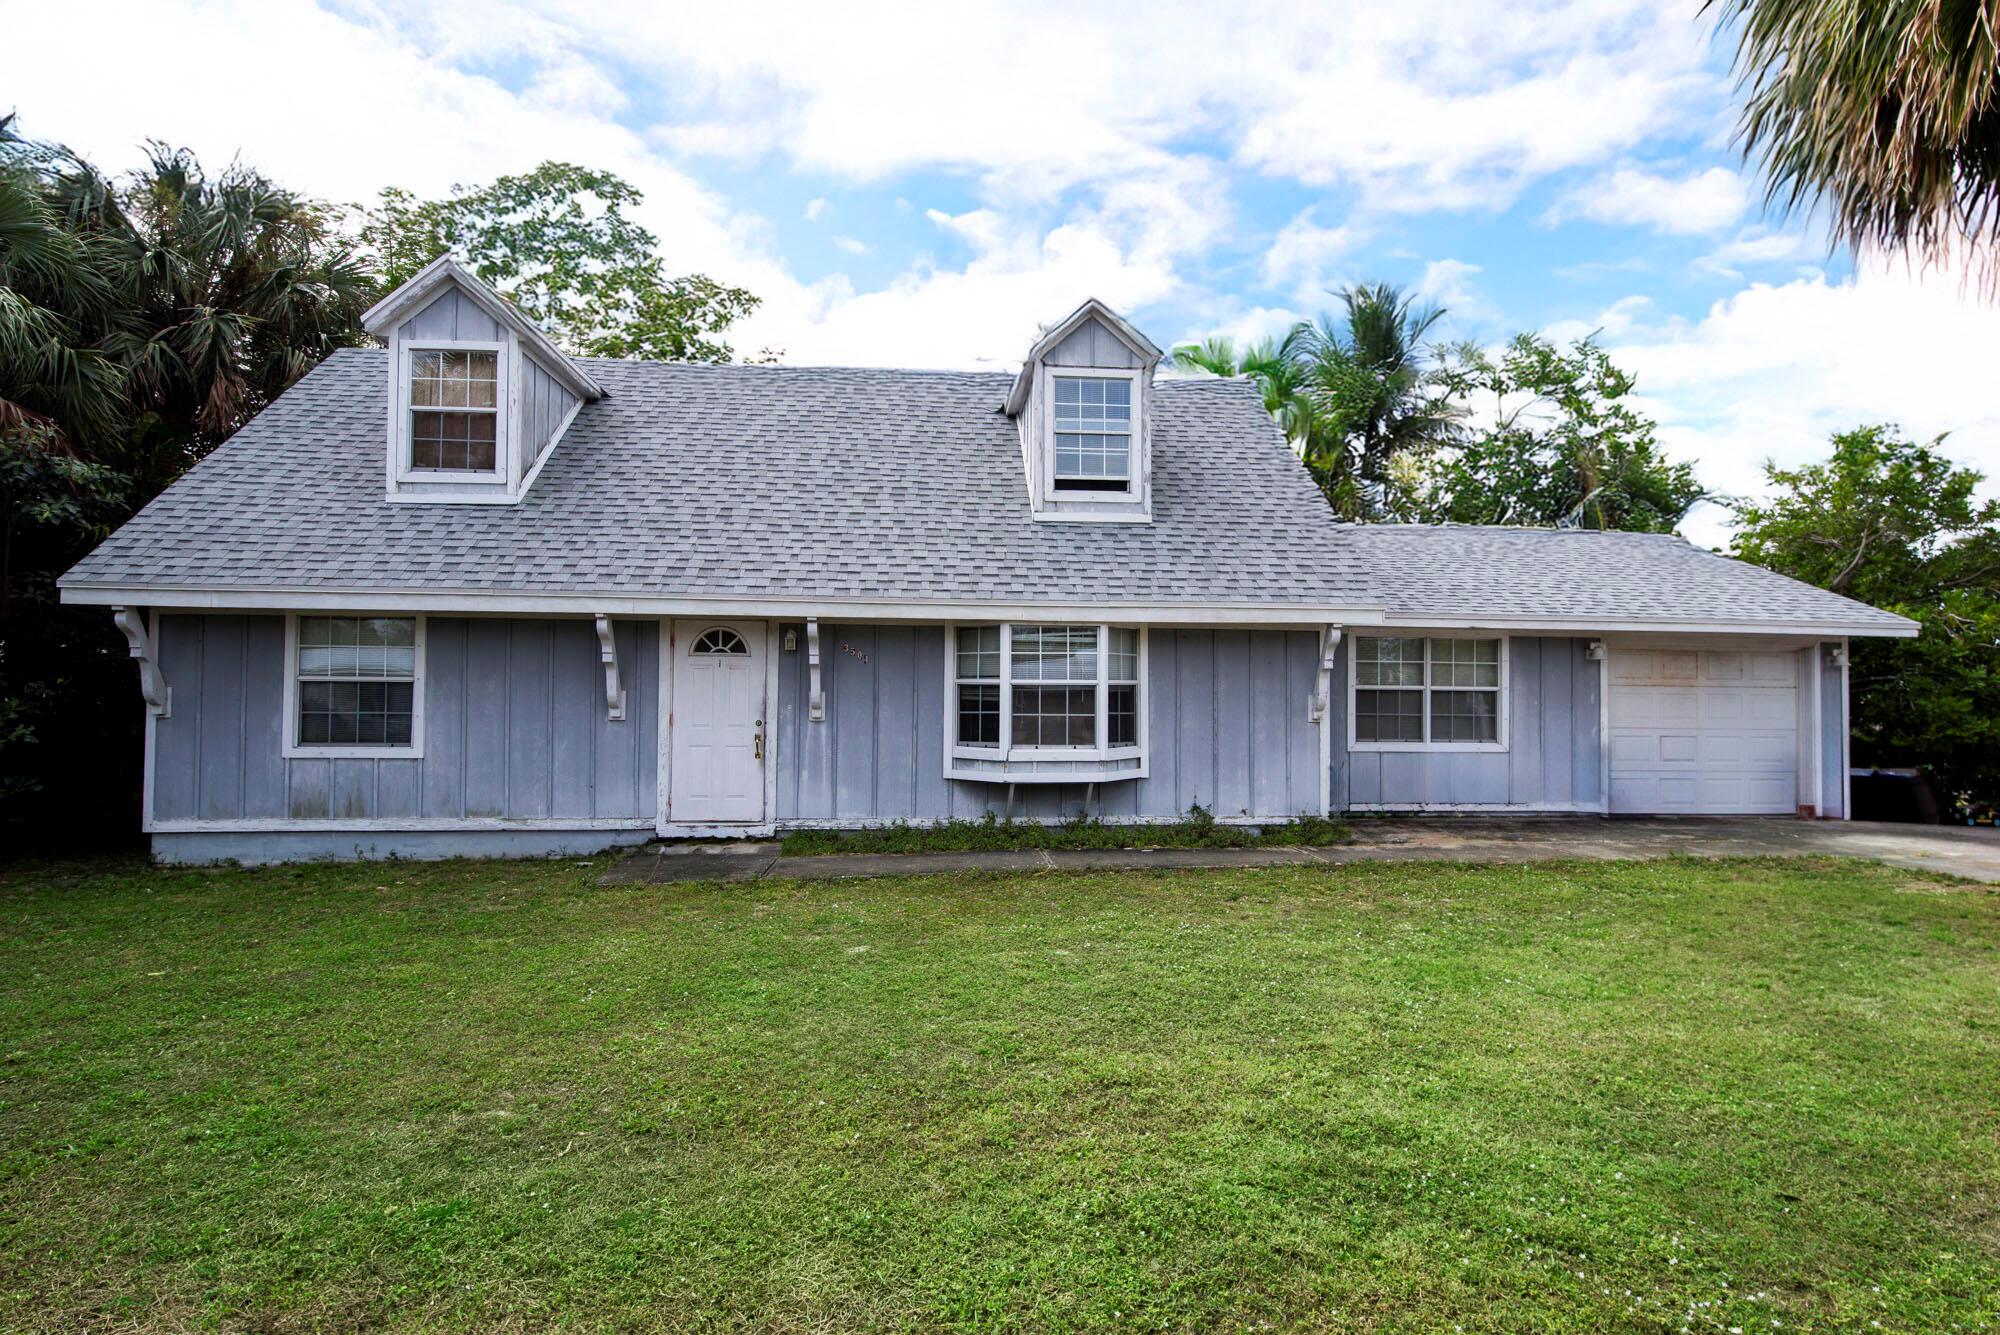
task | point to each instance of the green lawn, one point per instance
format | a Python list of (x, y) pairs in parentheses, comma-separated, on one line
[(1762, 1095)]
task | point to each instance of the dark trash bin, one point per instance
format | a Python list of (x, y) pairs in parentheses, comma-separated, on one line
[(1895, 794)]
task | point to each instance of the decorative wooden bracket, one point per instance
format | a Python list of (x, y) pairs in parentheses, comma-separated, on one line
[(816, 693), (607, 652), (159, 696), (1329, 653)]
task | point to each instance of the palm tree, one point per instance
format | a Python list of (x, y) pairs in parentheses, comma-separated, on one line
[(59, 307), (1886, 113), (236, 288), (142, 321), (1262, 361), (1369, 381)]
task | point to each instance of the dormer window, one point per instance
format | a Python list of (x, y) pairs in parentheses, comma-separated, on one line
[(454, 410), (478, 397), (1081, 404), (1093, 432)]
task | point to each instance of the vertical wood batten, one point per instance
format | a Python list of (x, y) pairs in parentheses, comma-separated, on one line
[(1559, 702), (1235, 741), (446, 645), (1194, 710), (264, 723), (488, 702), (175, 745), (576, 719)]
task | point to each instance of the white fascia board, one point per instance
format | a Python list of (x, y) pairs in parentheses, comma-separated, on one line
[(585, 603), (1643, 625), (406, 300)]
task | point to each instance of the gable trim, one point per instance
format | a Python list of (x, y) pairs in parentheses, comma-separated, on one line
[(1144, 348), (420, 287)]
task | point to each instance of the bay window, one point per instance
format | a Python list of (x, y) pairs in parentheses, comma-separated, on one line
[(1412, 692), (1054, 692)]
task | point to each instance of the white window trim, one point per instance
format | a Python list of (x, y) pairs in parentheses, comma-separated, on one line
[(1501, 741), (1135, 481), (503, 413), (296, 750), (1008, 753)]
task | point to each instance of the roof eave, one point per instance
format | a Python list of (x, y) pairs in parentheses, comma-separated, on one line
[(1902, 629), (581, 602)]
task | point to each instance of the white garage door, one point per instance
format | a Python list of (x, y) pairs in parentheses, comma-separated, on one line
[(1699, 733)]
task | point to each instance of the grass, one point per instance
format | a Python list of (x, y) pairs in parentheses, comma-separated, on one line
[(1618, 1097), (1199, 830)]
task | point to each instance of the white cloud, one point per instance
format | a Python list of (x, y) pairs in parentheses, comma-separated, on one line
[(815, 207), (1758, 246), (1125, 236), (1773, 371), (1448, 283), (1695, 204), (1428, 102), (1300, 254), (853, 245), (1613, 322)]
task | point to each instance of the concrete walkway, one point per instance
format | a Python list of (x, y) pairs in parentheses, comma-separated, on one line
[(1957, 850)]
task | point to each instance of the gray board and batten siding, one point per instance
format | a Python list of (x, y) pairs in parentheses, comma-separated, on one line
[(1554, 759), (515, 735), (514, 732), (1226, 718)]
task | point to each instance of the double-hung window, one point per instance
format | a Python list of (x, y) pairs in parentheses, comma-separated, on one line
[(1411, 692), (1093, 430), (1059, 692), (355, 686), (453, 414)]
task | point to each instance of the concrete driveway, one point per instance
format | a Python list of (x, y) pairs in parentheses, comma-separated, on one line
[(1957, 850), (1968, 851)]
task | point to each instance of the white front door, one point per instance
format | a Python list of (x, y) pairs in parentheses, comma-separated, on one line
[(1695, 732), (715, 773)]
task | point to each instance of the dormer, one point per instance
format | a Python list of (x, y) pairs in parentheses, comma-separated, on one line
[(1082, 403), (478, 397)]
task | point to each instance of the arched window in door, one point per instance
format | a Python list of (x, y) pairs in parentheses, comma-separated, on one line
[(720, 641)]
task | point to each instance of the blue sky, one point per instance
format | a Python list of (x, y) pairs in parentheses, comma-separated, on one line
[(923, 185)]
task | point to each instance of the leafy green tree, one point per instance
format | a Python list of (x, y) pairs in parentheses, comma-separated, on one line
[(1896, 524), (1884, 114), (1370, 381), (558, 243), (1558, 445)]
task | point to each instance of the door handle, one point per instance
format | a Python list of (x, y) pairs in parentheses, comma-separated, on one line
[(757, 746)]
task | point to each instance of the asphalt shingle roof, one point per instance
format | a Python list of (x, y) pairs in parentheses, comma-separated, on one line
[(1584, 576), (754, 481), (877, 485)]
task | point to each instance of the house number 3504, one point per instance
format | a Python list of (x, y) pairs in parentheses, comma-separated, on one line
[(847, 648)]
